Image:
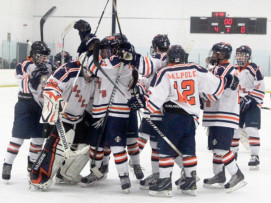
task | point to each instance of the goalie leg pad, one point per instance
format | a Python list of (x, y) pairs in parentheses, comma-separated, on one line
[(47, 164), (73, 166)]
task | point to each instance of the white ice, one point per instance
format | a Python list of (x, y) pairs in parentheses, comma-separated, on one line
[(258, 188)]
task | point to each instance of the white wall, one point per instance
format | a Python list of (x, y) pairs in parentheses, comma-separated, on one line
[(141, 19)]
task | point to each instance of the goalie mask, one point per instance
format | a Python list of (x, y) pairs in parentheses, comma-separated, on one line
[(219, 52), (40, 52), (160, 42), (175, 54), (243, 55)]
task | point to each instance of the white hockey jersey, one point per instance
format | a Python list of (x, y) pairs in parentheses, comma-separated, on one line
[(251, 82), (61, 84), (104, 88), (147, 68), (181, 84), (23, 71), (223, 110)]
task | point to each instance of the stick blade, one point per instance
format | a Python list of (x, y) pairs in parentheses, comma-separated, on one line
[(67, 29)]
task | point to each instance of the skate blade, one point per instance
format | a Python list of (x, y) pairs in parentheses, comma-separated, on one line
[(86, 185), (127, 191), (254, 168), (144, 187), (214, 186), (190, 192), (236, 187), (165, 193)]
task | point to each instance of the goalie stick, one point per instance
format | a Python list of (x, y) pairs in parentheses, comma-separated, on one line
[(63, 35), (44, 18)]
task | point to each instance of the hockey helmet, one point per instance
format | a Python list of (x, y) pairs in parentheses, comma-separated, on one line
[(176, 54), (161, 42), (243, 55), (40, 52)]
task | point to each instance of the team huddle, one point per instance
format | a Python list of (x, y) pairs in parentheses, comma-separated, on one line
[(80, 111)]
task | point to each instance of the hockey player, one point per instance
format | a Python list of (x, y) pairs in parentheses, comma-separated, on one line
[(58, 56), (114, 135), (160, 45), (32, 75), (176, 88), (66, 95), (251, 90), (221, 116)]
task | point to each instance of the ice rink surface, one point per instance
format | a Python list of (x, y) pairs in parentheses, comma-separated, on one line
[(258, 188)]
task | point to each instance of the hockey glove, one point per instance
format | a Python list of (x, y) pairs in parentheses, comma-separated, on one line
[(134, 79), (231, 81), (35, 76), (138, 100), (53, 107), (246, 102), (83, 27), (87, 44)]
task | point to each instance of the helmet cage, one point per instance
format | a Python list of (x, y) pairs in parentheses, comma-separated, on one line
[(242, 58)]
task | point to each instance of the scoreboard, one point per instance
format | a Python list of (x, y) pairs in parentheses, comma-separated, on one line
[(219, 23)]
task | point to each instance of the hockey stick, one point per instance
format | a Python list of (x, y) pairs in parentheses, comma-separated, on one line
[(101, 18), (44, 18), (266, 108), (63, 35), (94, 169)]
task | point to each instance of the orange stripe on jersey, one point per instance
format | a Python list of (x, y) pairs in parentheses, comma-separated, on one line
[(120, 108), (210, 97), (260, 95), (26, 84), (218, 116), (226, 70), (100, 109), (148, 65), (222, 87)]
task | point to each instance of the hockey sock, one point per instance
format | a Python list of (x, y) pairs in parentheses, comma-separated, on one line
[(13, 149), (121, 159), (229, 161), (217, 164), (133, 150), (179, 161), (107, 152), (154, 157), (254, 140), (35, 148), (235, 140), (142, 140), (189, 164), (99, 156), (166, 163)]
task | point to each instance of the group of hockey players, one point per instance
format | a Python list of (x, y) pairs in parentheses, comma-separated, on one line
[(84, 109)]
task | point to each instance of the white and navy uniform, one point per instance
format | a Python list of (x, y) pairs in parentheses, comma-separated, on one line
[(147, 68), (176, 88), (118, 113), (61, 84), (221, 114), (252, 84), (30, 101)]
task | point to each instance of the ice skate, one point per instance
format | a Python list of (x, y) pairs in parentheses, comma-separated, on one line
[(29, 165), (90, 180), (125, 183), (162, 188), (216, 181), (6, 172), (237, 181), (181, 179), (147, 182), (188, 185), (138, 171), (254, 163)]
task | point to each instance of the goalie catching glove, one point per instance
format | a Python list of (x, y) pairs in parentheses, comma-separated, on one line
[(53, 108)]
